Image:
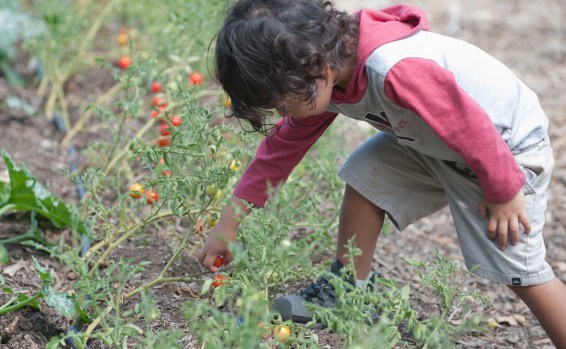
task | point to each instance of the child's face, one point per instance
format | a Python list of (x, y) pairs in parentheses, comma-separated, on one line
[(300, 109)]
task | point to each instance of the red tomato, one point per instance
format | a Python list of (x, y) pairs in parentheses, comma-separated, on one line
[(218, 280), (157, 101), (176, 120), (163, 130), (152, 197), (196, 78), (124, 62), (156, 87), (165, 172), (164, 141), (218, 262)]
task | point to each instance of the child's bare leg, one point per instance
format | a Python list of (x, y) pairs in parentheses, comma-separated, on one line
[(359, 217), (548, 304)]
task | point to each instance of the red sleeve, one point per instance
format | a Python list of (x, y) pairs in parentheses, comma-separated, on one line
[(279, 153), (432, 92)]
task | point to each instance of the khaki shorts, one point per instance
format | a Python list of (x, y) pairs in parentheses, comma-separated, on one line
[(408, 186)]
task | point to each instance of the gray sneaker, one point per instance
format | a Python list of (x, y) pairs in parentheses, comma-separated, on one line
[(321, 292)]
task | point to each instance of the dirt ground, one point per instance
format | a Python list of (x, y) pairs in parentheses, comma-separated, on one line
[(529, 37)]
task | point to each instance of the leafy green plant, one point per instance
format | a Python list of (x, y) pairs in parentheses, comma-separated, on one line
[(16, 27), (64, 304), (25, 193)]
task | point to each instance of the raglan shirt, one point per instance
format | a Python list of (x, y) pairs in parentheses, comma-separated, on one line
[(438, 95)]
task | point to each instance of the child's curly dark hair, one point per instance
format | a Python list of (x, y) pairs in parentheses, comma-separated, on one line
[(269, 50)]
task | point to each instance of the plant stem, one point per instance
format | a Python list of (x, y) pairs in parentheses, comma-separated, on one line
[(21, 304)]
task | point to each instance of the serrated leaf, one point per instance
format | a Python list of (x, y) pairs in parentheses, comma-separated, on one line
[(27, 194), (61, 302), (44, 274)]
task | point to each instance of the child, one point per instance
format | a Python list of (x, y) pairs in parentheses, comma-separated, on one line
[(456, 126)]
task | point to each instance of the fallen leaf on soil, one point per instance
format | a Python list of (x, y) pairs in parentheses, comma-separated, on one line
[(11, 270), (512, 320)]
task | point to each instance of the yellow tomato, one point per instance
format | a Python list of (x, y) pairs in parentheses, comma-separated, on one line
[(281, 333), (235, 165), (136, 190)]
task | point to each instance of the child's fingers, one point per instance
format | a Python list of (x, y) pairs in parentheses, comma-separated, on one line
[(524, 220), (514, 232), (492, 228), (503, 234)]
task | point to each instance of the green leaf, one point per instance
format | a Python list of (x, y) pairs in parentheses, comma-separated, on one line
[(22, 298), (4, 192), (4, 258), (63, 303), (27, 194), (206, 287), (44, 274)]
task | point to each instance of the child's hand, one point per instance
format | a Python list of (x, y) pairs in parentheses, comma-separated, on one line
[(504, 219), (216, 245)]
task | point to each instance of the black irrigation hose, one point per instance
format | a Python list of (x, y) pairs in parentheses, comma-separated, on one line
[(80, 190)]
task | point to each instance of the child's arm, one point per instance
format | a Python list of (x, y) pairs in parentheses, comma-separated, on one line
[(467, 129), (222, 234), (276, 157), (433, 93), (279, 153)]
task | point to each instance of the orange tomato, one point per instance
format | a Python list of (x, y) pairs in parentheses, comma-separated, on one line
[(136, 190)]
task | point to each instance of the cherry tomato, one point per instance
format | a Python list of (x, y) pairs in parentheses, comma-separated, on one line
[(136, 190), (164, 141), (176, 120), (235, 165), (157, 101), (123, 38), (152, 197), (196, 78), (211, 190), (218, 280), (212, 221), (124, 62), (156, 87), (219, 261), (281, 333), (228, 102), (163, 130), (165, 172)]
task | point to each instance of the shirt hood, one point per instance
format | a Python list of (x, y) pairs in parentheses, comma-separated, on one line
[(376, 29)]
